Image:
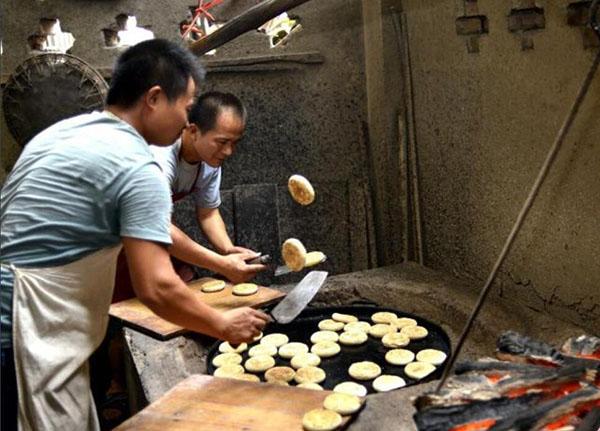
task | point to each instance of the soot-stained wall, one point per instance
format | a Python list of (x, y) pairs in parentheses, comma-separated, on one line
[(485, 122)]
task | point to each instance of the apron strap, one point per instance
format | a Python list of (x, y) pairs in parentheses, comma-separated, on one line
[(180, 195)]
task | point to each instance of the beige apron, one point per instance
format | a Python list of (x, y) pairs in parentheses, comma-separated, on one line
[(60, 316)]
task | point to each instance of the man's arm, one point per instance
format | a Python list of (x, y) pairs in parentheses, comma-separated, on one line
[(157, 285), (232, 266), (213, 226)]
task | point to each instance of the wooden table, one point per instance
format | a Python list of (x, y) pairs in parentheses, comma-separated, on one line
[(203, 402), (134, 314)]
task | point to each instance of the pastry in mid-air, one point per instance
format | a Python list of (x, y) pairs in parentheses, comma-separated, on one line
[(301, 190), (293, 253)]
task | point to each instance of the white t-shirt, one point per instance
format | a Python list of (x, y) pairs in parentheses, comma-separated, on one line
[(181, 176)]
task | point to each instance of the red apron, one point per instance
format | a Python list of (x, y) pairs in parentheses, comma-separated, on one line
[(123, 286)]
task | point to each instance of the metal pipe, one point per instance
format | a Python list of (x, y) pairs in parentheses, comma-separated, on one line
[(412, 155)]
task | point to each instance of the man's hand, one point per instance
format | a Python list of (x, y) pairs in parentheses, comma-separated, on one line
[(241, 325), (237, 270), (237, 249)]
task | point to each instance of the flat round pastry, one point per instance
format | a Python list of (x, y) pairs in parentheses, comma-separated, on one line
[(346, 318), (289, 350), (210, 286), (301, 190), (365, 370), (331, 325), (309, 374), (418, 370), (378, 330), (414, 332), (314, 258), (279, 382), (399, 356), (225, 347), (310, 385), (229, 370), (244, 289), (351, 388), (293, 254), (258, 337), (325, 349), (321, 420), (276, 339), (305, 360), (246, 377), (344, 404), (401, 322), (262, 349), (320, 336), (280, 373), (386, 382), (361, 325), (227, 358), (395, 339), (432, 356), (384, 317), (353, 338), (259, 363)]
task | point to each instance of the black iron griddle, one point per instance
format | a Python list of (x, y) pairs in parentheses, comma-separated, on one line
[(336, 367)]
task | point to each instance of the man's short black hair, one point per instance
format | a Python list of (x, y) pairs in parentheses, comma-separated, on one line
[(207, 108), (149, 63)]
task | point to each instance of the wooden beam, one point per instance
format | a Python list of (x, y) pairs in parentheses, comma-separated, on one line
[(249, 20)]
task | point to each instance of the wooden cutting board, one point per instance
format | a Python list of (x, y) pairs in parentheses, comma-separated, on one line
[(136, 315), (203, 402)]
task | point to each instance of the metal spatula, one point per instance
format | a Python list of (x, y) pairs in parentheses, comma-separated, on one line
[(284, 269), (297, 300)]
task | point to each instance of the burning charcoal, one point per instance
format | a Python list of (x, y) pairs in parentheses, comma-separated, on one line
[(584, 346), (515, 347), (549, 412), (539, 389), (489, 364), (446, 418), (551, 382), (512, 346), (459, 390)]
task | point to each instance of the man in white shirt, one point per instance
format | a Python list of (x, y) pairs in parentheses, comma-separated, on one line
[(193, 166)]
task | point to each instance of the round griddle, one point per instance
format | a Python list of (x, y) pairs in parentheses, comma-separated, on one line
[(336, 367), (48, 88)]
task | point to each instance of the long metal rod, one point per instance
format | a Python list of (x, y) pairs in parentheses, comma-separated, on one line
[(412, 156), (521, 217)]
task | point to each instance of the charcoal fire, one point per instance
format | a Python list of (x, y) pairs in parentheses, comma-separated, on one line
[(534, 387)]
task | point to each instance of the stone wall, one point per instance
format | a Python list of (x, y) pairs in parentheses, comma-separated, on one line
[(306, 119)]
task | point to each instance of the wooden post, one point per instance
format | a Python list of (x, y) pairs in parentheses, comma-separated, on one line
[(249, 20)]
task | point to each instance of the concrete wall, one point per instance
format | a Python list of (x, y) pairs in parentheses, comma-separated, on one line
[(485, 123)]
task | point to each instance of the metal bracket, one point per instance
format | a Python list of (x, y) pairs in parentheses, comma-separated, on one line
[(472, 25), (524, 20)]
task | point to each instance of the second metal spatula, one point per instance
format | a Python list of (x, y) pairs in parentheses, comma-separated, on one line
[(297, 300)]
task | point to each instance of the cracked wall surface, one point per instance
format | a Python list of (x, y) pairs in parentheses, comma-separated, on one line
[(485, 122)]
